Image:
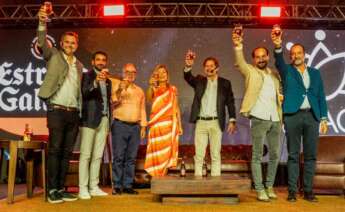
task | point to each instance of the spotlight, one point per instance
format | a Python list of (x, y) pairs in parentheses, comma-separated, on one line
[(114, 10), (270, 12)]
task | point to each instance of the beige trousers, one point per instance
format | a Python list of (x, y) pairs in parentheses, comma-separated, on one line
[(91, 152), (207, 131)]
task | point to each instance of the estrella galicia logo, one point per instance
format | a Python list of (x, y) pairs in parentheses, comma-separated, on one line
[(35, 50)]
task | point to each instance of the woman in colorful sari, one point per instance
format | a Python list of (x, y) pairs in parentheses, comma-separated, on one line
[(164, 125)]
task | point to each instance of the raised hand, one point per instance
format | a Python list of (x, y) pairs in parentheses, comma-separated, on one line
[(276, 36), (42, 14), (190, 57), (123, 85), (154, 80), (103, 75), (237, 35)]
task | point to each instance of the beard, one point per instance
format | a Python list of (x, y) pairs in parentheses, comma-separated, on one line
[(99, 67), (262, 65), (297, 62)]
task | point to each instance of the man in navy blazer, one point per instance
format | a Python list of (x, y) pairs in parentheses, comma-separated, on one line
[(96, 116), (304, 109)]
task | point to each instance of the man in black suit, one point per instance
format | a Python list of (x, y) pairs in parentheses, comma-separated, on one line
[(96, 114), (213, 94)]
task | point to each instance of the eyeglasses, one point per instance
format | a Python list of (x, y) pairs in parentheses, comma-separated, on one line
[(130, 72)]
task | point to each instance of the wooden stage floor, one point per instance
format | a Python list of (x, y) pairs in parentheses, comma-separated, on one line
[(144, 202)]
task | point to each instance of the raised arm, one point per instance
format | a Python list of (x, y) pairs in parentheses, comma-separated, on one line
[(190, 79), (278, 53), (187, 72), (150, 92), (240, 61), (42, 43)]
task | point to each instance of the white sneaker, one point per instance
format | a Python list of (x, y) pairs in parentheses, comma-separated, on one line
[(84, 194), (97, 192), (270, 193), (262, 196)]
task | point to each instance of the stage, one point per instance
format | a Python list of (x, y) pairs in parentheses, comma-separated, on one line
[(144, 202)]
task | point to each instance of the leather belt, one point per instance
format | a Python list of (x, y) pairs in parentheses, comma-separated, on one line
[(127, 122), (207, 118), (61, 107)]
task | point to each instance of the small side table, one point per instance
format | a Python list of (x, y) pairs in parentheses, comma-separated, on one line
[(13, 146)]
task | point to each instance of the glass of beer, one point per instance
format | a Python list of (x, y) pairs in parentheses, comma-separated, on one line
[(48, 6)]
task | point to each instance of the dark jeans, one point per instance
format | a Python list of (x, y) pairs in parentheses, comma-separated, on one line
[(63, 130), (125, 140), (301, 127)]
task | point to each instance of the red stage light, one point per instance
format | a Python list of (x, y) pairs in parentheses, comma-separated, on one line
[(270, 12), (114, 10)]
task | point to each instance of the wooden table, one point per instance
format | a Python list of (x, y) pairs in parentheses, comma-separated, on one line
[(191, 189), (13, 146)]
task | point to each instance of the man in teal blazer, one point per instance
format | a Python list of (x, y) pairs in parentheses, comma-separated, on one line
[(304, 109)]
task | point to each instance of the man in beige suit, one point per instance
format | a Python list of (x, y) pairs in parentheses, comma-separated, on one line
[(261, 104)]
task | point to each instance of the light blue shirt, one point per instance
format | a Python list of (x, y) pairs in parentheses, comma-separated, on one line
[(306, 81)]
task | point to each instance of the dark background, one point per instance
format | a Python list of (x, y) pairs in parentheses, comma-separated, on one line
[(147, 47)]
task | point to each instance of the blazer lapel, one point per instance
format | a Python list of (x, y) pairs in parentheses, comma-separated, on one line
[(93, 74), (276, 79), (204, 86), (311, 77), (297, 76), (79, 68)]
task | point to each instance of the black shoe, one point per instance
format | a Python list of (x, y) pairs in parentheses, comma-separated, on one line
[(129, 191), (67, 196), (54, 197), (309, 196), (292, 197), (116, 191)]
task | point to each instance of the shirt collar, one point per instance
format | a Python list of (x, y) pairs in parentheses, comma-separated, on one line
[(213, 81), (65, 56), (306, 69), (96, 71)]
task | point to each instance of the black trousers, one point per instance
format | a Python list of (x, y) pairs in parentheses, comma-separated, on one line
[(301, 127), (63, 130)]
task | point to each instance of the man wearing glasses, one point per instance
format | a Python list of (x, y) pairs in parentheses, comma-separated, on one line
[(128, 128)]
